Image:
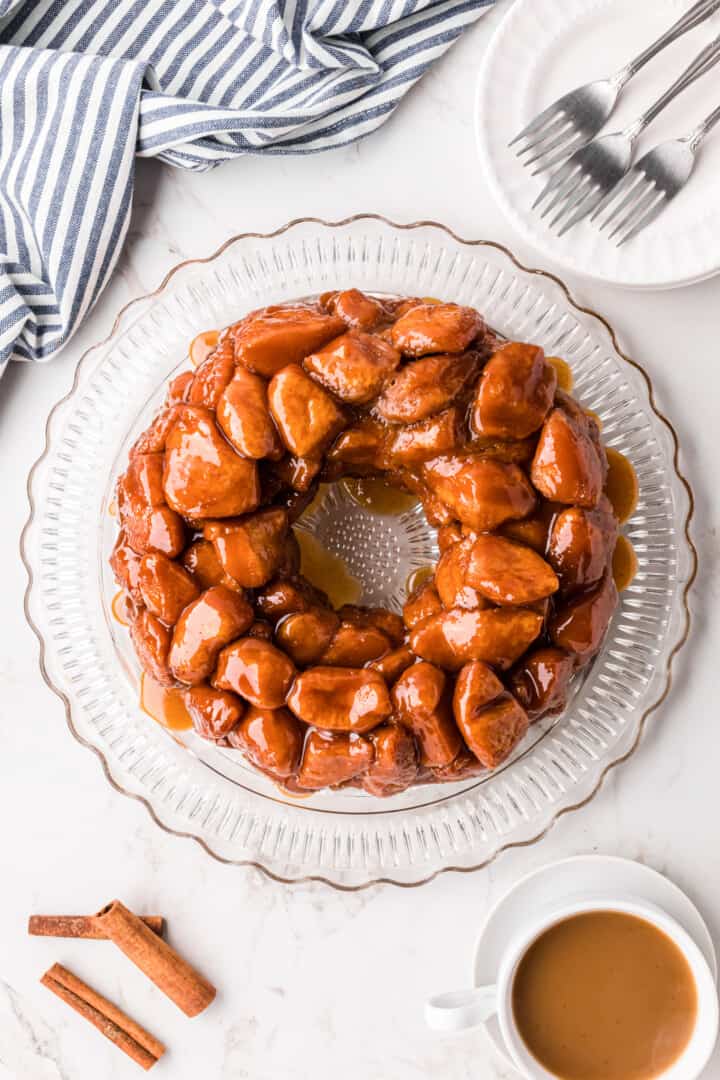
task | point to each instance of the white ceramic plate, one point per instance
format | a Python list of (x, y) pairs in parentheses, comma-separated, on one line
[(193, 788), (543, 49)]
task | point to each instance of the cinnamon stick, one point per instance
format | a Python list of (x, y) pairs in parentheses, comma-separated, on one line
[(111, 1021), (81, 926), (190, 991)]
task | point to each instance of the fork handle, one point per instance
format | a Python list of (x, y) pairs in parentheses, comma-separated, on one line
[(703, 62), (696, 15), (704, 128)]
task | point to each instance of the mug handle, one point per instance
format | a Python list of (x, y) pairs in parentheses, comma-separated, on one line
[(457, 1010)]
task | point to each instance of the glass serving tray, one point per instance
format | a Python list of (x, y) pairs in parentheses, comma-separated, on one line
[(345, 838)]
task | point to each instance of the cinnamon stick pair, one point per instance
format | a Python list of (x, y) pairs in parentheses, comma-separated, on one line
[(141, 941)]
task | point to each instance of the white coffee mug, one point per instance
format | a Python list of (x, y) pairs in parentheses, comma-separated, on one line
[(462, 1009)]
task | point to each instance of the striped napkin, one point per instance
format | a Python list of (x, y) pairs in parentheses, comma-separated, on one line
[(85, 85)]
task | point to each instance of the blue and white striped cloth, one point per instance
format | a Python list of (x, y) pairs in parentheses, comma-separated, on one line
[(85, 85)]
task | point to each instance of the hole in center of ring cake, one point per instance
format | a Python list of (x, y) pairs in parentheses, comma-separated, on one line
[(362, 540)]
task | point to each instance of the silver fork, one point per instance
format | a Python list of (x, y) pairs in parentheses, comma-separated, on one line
[(590, 174), (653, 182), (577, 117)]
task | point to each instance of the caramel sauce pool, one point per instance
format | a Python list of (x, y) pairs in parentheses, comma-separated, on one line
[(621, 485), (379, 497), (624, 563), (164, 704), (418, 577), (119, 608), (202, 345), (327, 571), (604, 996), (318, 500), (565, 379)]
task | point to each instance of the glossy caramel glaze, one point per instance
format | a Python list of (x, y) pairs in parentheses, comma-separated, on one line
[(563, 372), (621, 484), (164, 703), (624, 563), (418, 577), (250, 630), (202, 345), (119, 608)]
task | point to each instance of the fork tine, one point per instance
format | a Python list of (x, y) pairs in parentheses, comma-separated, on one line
[(563, 138), (559, 177), (638, 206), (628, 191), (562, 193), (576, 143), (593, 197), (574, 196), (657, 208), (534, 126), (551, 131), (636, 211), (621, 190)]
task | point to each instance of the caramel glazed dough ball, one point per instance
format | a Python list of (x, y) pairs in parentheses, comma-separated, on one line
[(508, 467)]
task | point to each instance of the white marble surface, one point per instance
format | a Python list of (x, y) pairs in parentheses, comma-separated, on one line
[(313, 983)]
